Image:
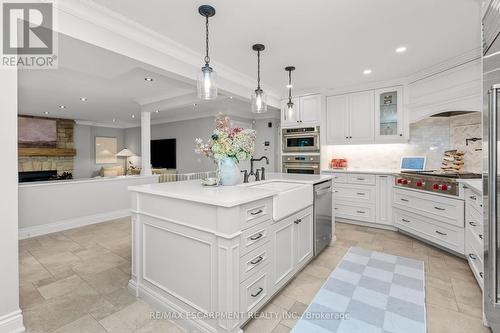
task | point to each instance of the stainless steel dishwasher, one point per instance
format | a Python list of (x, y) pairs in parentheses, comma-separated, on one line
[(322, 215)]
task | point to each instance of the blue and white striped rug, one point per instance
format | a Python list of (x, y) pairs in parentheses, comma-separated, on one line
[(369, 292)]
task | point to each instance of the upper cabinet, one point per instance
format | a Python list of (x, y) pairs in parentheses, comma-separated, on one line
[(372, 116), (389, 125), (306, 111)]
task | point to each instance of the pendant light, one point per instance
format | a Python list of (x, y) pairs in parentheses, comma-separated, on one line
[(259, 98), (289, 105), (207, 88)]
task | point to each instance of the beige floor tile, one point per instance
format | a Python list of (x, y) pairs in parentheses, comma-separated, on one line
[(438, 282), (281, 329), (441, 320), (100, 264), (271, 316), (283, 301), (294, 314), (62, 287), (120, 298), (29, 296), (129, 319), (106, 282), (303, 288), (467, 292), (440, 297), (160, 326), (103, 309), (318, 271), (86, 324), (58, 263), (31, 270)]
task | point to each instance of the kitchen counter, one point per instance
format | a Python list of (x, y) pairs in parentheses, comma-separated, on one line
[(362, 171), (224, 196), (474, 184)]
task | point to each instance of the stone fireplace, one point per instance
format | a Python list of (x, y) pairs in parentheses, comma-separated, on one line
[(59, 158)]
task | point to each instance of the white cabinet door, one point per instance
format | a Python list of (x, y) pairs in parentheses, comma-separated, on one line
[(361, 117), (310, 107), (384, 199), (337, 119), (389, 116), (304, 237), (283, 253), (290, 119)]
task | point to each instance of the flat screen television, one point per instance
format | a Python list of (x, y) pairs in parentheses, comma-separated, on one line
[(163, 153)]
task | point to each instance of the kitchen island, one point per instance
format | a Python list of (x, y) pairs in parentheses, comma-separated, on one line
[(211, 256)]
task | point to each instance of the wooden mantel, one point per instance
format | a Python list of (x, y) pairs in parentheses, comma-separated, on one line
[(46, 152)]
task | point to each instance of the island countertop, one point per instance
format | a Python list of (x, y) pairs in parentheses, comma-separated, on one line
[(224, 196)]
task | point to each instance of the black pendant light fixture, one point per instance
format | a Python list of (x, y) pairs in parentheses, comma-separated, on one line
[(289, 105), (207, 88), (259, 98)]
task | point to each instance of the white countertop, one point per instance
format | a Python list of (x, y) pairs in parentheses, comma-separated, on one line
[(224, 196), (474, 184), (364, 171)]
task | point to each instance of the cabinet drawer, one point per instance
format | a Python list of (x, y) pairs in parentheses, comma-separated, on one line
[(360, 178), (339, 177), (474, 222), (447, 210), (476, 264), (434, 231), (256, 212), (473, 241), (360, 212), (475, 200), (255, 290), (255, 261), (254, 237), (360, 193)]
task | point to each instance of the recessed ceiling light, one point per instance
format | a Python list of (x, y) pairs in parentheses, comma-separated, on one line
[(157, 111), (149, 79), (230, 97), (289, 86), (114, 120), (133, 116), (83, 99), (62, 106), (401, 49), (46, 112), (367, 71), (195, 105)]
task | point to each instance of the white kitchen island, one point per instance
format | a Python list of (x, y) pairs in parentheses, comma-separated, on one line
[(212, 255)]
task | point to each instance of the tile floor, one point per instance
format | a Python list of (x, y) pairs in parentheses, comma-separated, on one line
[(75, 281)]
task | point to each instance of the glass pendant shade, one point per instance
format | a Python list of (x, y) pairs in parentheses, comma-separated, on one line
[(289, 110), (207, 87), (259, 101)]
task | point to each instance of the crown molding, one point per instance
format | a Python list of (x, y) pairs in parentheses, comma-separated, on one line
[(188, 61), (121, 125)]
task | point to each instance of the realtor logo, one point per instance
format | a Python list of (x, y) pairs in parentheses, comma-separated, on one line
[(28, 37)]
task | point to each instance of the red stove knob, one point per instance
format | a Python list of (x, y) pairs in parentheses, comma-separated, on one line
[(419, 183), (444, 187), (405, 181), (400, 181), (435, 186)]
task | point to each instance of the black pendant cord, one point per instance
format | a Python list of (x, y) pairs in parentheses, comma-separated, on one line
[(207, 58), (290, 86), (258, 70)]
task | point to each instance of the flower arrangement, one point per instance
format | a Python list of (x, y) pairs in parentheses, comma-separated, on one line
[(226, 142)]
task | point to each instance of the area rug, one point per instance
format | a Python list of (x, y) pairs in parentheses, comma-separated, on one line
[(369, 291)]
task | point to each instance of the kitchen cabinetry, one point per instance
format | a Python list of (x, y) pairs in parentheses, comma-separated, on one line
[(350, 118), (372, 116), (362, 197), (306, 111), (474, 233), (389, 126), (293, 247)]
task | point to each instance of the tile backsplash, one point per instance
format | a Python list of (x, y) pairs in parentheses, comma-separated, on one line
[(429, 137)]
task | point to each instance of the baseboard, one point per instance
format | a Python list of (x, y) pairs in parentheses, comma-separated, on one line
[(48, 228), (12, 323), (367, 224)]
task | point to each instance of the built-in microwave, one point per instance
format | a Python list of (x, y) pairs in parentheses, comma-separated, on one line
[(301, 140), (301, 164)]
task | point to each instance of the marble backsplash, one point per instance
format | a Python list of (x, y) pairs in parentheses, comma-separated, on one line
[(429, 137)]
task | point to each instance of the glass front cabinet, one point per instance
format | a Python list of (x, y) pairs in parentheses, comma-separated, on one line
[(389, 117)]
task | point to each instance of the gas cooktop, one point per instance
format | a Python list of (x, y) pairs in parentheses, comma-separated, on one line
[(439, 173)]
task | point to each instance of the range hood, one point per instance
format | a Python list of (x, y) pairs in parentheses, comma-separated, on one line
[(451, 113)]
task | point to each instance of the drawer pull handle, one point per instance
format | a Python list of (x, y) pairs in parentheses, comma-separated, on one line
[(259, 235), (297, 221), (361, 211), (256, 212), (481, 275), (257, 293), (439, 208), (441, 233), (472, 256), (480, 236), (360, 193), (473, 197), (473, 224), (360, 178), (257, 260), (405, 220), (405, 200)]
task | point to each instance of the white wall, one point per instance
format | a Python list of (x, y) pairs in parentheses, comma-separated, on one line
[(47, 207), (10, 314), (271, 134), (84, 137)]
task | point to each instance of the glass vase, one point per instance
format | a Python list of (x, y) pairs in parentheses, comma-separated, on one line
[(228, 171)]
